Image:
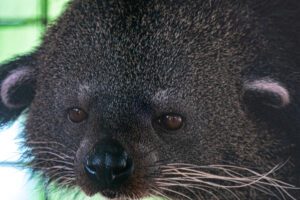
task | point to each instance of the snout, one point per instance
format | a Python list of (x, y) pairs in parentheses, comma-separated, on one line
[(108, 164)]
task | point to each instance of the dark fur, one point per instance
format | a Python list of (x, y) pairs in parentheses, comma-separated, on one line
[(126, 51)]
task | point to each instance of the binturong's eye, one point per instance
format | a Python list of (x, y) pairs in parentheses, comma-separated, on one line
[(170, 121), (77, 115)]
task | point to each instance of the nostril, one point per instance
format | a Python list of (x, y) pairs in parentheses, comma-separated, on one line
[(91, 171), (120, 174), (108, 164), (94, 165)]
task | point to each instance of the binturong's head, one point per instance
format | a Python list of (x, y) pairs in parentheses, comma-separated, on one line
[(180, 99)]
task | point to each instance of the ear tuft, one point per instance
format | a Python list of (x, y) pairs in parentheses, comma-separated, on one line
[(267, 92), (16, 88)]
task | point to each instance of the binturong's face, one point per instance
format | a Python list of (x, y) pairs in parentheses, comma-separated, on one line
[(182, 100)]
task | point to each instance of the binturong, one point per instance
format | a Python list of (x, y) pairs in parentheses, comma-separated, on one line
[(181, 99)]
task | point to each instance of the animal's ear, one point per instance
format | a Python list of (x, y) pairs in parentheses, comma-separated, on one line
[(17, 87), (266, 92)]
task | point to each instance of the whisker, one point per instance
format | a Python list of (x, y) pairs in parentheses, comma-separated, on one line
[(176, 183), (52, 150), (193, 176), (211, 176), (53, 154), (57, 167), (159, 193), (39, 161), (45, 142), (201, 187), (175, 192)]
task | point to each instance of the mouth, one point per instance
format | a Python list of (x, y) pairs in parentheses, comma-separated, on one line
[(109, 194), (127, 192)]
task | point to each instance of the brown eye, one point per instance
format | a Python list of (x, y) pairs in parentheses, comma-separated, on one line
[(77, 115), (170, 122)]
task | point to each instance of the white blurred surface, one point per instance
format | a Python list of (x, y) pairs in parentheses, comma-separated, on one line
[(14, 183)]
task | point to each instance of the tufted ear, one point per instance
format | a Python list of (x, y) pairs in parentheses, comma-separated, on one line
[(17, 87), (266, 92)]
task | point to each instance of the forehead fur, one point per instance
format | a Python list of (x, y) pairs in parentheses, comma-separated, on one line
[(139, 38), (161, 95)]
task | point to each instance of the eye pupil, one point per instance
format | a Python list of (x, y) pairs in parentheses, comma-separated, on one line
[(77, 115), (171, 122)]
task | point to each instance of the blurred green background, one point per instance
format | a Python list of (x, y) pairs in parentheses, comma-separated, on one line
[(22, 25), (23, 22)]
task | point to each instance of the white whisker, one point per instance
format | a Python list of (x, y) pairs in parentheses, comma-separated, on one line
[(39, 161), (51, 150), (176, 192), (232, 178)]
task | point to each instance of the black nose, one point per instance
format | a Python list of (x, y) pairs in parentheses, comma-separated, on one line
[(108, 164)]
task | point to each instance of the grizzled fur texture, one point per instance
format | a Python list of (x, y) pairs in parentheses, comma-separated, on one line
[(230, 68)]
